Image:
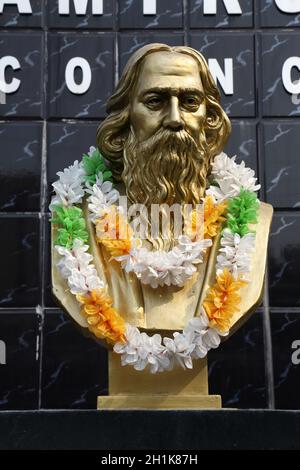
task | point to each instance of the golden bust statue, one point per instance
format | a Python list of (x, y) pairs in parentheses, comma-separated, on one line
[(165, 125), (166, 91)]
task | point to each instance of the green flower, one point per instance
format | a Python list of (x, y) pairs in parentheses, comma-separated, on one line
[(93, 166), (71, 225), (242, 211)]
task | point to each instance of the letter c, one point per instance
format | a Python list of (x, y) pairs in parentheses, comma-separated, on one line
[(13, 86)]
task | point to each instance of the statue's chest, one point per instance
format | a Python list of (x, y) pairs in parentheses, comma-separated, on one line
[(162, 308)]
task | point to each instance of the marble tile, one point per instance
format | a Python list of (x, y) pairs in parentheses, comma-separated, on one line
[(275, 13), (19, 360), (11, 18), (24, 55), (168, 14), (95, 51), (286, 358), (20, 177), (221, 19), (284, 260), (19, 252), (280, 141), (276, 49), (236, 368), (66, 143), (74, 366), (130, 42), (243, 143), (86, 20), (240, 63)]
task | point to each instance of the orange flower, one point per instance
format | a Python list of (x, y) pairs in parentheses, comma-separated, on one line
[(117, 247), (207, 220), (194, 226), (114, 232), (103, 320), (213, 216), (222, 300)]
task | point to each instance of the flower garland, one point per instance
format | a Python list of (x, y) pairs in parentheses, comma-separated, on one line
[(157, 268), (231, 201)]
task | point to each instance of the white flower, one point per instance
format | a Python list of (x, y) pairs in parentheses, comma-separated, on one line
[(102, 195), (231, 177), (75, 266), (205, 338), (91, 151), (235, 253), (181, 347), (141, 350), (69, 187), (159, 268)]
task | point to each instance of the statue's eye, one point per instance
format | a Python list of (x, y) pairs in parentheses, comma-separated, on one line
[(191, 102), (154, 102)]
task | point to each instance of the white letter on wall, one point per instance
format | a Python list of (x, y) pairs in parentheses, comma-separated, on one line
[(288, 6), (291, 87), (296, 354), (80, 7), (232, 6), (9, 61), (149, 7), (23, 5), (2, 353), (81, 88), (224, 78)]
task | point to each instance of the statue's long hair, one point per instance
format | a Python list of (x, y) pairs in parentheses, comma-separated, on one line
[(114, 130)]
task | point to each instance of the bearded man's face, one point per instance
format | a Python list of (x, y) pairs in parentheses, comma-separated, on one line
[(165, 153)]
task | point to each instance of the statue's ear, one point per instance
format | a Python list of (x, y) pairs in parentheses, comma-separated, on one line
[(119, 138), (217, 128), (213, 119)]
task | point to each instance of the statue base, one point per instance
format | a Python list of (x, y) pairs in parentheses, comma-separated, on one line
[(176, 389), (159, 402)]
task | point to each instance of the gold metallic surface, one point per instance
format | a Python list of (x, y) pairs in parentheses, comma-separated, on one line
[(176, 389), (166, 101), (159, 402)]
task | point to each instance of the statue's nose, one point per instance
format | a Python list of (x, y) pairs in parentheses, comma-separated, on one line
[(173, 119)]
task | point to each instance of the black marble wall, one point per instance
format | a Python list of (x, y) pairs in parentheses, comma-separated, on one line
[(46, 124)]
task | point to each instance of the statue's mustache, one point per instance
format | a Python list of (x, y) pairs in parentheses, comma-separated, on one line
[(170, 140)]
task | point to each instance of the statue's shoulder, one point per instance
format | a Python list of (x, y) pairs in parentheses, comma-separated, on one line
[(262, 228), (266, 212), (252, 294)]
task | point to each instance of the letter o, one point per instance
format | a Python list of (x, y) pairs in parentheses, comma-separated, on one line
[(78, 88), (291, 87), (288, 6)]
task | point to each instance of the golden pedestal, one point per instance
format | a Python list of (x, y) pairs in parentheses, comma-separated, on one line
[(177, 389)]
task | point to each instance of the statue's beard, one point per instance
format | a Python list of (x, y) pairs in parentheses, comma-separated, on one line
[(169, 167)]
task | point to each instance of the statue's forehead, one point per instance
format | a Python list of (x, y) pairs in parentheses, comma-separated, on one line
[(163, 69)]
